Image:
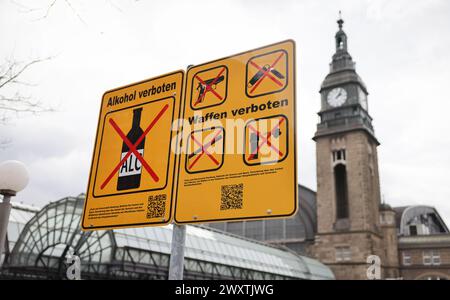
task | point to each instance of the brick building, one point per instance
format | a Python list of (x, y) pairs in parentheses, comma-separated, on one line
[(423, 243), (344, 222)]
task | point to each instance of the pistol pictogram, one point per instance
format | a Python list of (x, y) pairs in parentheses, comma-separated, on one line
[(202, 87)]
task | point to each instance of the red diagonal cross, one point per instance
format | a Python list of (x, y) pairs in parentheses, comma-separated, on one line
[(266, 140), (209, 87), (204, 149), (133, 148), (266, 73)]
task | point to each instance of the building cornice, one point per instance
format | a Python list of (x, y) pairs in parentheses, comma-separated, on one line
[(424, 241), (351, 232), (329, 132)]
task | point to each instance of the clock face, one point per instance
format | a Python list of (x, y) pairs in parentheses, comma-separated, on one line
[(363, 99), (336, 97)]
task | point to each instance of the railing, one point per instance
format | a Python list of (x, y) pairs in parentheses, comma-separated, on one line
[(345, 121)]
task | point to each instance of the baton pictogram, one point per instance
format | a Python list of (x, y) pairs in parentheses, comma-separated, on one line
[(272, 66), (203, 149)]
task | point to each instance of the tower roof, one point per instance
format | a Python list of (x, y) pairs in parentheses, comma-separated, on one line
[(428, 216), (340, 21), (352, 112), (342, 67)]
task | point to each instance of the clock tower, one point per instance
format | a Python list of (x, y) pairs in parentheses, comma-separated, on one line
[(348, 188)]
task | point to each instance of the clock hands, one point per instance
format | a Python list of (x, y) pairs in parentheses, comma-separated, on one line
[(337, 97)]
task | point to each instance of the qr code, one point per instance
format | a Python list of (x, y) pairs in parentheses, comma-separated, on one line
[(156, 206), (231, 196)]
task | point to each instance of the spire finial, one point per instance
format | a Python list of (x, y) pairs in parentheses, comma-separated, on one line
[(340, 21)]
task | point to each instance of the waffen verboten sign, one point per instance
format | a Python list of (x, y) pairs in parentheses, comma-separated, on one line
[(238, 156)]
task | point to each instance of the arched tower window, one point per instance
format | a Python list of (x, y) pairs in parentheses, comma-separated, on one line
[(340, 44), (339, 156), (341, 41), (340, 179)]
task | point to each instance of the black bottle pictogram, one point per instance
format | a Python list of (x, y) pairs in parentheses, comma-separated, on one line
[(130, 171)]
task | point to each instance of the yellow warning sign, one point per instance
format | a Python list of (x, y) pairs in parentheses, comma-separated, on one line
[(133, 164), (238, 146)]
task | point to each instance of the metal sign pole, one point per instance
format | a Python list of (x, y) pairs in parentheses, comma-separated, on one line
[(176, 264), (177, 253)]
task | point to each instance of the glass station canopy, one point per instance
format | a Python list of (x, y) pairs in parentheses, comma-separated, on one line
[(39, 241)]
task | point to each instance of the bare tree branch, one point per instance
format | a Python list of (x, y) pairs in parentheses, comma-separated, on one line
[(75, 12), (115, 6), (47, 9), (5, 142), (24, 8), (12, 101), (10, 75)]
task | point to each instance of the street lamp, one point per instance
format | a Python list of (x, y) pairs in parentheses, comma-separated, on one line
[(13, 179)]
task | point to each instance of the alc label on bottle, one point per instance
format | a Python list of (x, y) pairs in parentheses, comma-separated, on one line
[(132, 166)]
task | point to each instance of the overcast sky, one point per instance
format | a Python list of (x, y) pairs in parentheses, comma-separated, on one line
[(401, 49)]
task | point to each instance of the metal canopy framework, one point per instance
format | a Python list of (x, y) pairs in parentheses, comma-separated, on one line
[(143, 253)]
